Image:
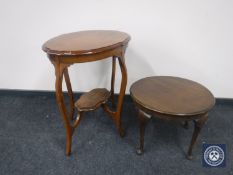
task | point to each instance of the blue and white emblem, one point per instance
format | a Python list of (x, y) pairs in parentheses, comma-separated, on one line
[(214, 155)]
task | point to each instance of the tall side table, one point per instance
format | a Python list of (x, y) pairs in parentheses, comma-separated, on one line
[(80, 47)]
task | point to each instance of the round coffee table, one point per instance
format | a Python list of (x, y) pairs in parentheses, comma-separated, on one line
[(171, 98)]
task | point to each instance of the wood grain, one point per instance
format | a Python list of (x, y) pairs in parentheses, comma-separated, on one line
[(85, 42), (93, 99), (172, 95)]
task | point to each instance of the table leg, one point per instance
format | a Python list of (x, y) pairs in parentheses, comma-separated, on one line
[(70, 92), (121, 95), (198, 124), (142, 124), (59, 71), (113, 80)]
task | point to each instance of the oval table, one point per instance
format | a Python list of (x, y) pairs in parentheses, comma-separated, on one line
[(171, 98), (80, 47)]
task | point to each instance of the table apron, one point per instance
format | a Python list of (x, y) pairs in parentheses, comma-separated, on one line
[(71, 59)]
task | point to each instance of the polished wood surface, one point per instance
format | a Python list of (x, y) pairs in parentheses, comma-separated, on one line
[(93, 99), (85, 42), (188, 97), (171, 98), (80, 47)]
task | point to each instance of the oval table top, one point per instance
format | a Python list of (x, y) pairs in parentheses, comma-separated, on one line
[(172, 95), (85, 42)]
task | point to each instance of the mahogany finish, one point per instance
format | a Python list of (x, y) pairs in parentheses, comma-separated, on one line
[(171, 98), (93, 99), (86, 46), (85, 42)]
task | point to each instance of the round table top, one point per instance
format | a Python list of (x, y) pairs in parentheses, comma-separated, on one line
[(172, 95), (85, 42)]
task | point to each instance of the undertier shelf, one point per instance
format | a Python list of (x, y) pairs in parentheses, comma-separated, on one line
[(92, 100)]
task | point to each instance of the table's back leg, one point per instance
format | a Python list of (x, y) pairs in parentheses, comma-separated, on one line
[(70, 92), (121, 94), (59, 71), (197, 128), (113, 80)]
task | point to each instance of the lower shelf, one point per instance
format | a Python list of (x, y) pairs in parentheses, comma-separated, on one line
[(92, 100)]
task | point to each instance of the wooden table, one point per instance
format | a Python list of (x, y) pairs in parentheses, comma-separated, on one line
[(80, 47), (171, 98)]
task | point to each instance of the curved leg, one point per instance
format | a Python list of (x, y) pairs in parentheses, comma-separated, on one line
[(197, 128), (59, 70), (142, 124), (113, 80), (70, 92), (121, 95), (78, 119)]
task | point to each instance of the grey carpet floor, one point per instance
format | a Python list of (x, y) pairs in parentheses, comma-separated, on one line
[(32, 141)]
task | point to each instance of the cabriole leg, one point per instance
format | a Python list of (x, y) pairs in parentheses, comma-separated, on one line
[(198, 124), (121, 95), (70, 92), (113, 80), (142, 125), (59, 71)]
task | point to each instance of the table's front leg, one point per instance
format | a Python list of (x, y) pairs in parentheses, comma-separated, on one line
[(198, 124), (59, 71), (121, 94), (143, 118)]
